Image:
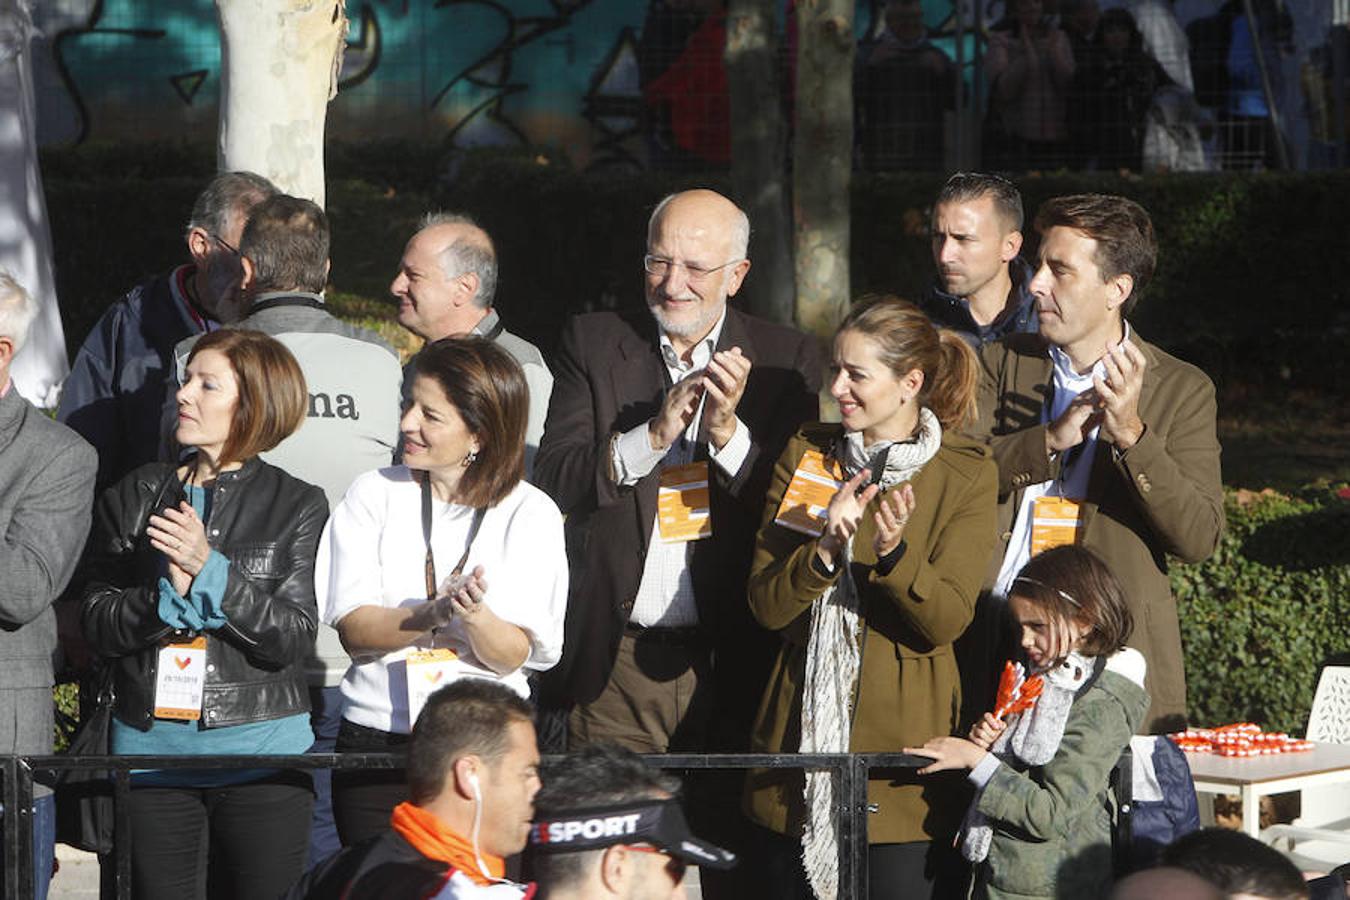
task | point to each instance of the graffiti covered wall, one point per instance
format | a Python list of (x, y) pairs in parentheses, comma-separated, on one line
[(563, 75), (558, 74)]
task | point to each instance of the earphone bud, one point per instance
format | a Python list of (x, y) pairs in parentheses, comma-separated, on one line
[(473, 786)]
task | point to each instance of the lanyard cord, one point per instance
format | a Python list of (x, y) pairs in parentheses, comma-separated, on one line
[(429, 567)]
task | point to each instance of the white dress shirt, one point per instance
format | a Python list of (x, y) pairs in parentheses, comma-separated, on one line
[(665, 595), (1073, 478)]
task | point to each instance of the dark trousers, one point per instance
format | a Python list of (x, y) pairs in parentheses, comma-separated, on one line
[(364, 799), (325, 716), (911, 871), (915, 871), (657, 700), (254, 835)]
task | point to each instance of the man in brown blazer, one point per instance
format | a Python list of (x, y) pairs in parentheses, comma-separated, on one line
[(1100, 437), (643, 411)]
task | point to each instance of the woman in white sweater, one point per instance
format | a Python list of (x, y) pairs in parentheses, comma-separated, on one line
[(448, 566)]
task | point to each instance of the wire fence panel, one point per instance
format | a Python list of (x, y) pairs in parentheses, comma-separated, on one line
[(1141, 85)]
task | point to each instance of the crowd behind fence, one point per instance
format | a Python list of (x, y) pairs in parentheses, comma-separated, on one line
[(1042, 85)]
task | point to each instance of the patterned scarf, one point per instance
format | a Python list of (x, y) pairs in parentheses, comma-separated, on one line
[(834, 654)]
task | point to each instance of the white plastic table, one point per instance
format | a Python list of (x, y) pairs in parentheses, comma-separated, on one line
[(1256, 776)]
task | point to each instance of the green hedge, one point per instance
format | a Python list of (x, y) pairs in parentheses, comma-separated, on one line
[(1262, 616), (1253, 281)]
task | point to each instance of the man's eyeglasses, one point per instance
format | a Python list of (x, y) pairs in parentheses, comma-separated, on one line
[(675, 867), (661, 267), (226, 244)]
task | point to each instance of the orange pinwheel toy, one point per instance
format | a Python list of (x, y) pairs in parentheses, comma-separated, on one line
[(1016, 692)]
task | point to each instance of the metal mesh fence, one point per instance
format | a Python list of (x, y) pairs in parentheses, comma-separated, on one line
[(1143, 85)]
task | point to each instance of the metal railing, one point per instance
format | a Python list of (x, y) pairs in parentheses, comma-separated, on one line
[(850, 770)]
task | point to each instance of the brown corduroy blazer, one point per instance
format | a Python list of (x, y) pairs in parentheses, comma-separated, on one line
[(1163, 497)]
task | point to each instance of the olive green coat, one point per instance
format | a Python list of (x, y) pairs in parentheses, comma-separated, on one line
[(908, 686), (1052, 823)]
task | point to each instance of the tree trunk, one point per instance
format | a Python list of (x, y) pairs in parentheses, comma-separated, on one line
[(279, 63), (25, 239), (823, 156), (757, 153)]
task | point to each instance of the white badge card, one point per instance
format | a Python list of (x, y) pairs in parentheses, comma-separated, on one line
[(813, 485), (180, 681), (429, 670)]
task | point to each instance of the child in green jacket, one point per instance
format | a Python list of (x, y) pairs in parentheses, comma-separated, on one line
[(1040, 824)]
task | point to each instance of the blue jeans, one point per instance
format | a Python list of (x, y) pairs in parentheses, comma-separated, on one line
[(324, 717), (44, 844)]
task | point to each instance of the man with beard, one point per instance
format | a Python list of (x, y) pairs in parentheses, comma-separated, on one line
[(981, 289), (689, 412), (123, 375)]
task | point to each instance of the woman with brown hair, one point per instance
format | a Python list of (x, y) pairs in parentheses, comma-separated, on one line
[(448, 566), (200, 596), (869, 584), (1040, 824)]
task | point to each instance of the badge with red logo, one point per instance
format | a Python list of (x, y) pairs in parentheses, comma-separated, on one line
[(181, 680)]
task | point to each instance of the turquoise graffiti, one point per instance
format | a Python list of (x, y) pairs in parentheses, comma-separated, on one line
[(560, 75)]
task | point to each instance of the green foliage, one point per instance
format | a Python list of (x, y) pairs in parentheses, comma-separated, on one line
[(66, 696), (1252, 283), (1261, 617)]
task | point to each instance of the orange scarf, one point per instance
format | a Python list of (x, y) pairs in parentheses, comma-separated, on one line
[(435, 840)]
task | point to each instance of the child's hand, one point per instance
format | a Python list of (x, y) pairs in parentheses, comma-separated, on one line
[(948, 753), (984, 732)]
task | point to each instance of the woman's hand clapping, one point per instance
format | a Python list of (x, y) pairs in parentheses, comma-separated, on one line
[(846, 510), (843, 515), (892, 515), (460, 595), (180, 535)]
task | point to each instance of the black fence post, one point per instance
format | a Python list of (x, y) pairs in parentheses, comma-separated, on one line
[(858, 812), (9, 793), (23, 825), (122, 833)]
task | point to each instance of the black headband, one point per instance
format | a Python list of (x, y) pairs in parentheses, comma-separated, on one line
[(660, 823)]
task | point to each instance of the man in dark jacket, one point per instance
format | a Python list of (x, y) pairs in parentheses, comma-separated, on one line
[(123, 373), (473, 771), (691, 412), (983, 287)]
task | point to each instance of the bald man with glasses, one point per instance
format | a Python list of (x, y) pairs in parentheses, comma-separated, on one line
[(684, 407)]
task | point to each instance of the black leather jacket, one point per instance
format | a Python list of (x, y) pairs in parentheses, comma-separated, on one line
[(267, 524)]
